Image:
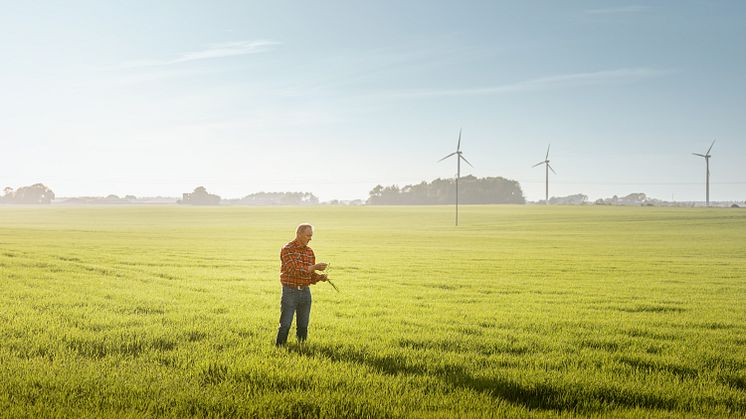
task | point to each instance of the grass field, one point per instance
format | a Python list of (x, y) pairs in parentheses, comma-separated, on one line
[(522, 310)]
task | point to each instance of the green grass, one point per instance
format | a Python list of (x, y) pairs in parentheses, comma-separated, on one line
[(521, 310)]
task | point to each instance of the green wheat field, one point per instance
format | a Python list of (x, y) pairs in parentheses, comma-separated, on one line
[(520, 311)]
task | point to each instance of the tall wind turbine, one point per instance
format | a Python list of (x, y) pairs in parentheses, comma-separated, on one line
[(460, 156), (707, 162), (546, 162)]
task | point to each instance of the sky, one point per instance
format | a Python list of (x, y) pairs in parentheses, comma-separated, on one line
[(334, 97)]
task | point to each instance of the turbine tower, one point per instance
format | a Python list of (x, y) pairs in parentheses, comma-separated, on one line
[(707, 163), (546, 162), (459, 156)]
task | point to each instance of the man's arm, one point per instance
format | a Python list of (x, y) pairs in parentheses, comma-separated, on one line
[(318, 277)]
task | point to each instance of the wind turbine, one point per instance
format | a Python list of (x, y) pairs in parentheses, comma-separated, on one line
[(707, 162), (546, 162), (460, 156)]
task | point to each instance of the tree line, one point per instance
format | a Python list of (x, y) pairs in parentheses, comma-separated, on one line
[(25, 195), (276, 198), (200, 196), (472, 190), (40, 194)]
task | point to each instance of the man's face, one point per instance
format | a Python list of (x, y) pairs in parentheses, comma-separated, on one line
[(305, 236)]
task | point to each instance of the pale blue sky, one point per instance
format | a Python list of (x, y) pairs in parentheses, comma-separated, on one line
[(155, 98)]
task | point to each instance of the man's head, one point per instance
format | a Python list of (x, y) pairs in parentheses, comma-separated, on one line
[(304, 233)]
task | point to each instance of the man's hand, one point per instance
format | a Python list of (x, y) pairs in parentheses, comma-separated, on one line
[(319, 266), (323, 277)]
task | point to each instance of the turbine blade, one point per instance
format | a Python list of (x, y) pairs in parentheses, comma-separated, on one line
[(708, 150), (446, 157), (547, 157), (537, 164), (458, 147), (464, 158), (700, 155), (550, 168)]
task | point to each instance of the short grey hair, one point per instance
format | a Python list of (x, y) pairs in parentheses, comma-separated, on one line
[(301, 227)]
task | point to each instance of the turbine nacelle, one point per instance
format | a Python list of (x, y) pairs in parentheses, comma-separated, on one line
[(546, 161), (458, 152), (707, 154)]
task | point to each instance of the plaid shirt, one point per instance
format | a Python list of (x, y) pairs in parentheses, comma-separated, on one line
[(296, 265)]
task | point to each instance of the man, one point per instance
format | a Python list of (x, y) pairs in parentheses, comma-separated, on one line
[(297, 273)]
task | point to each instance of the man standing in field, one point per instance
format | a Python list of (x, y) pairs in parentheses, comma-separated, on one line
[(297, 273)]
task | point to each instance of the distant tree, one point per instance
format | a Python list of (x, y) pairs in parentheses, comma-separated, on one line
[(636, 198), (375, 195), (472, 190), (7, 194), (391, 194), (130, 198), (34, 194), (279, 198), (577, 199), (200, 196)]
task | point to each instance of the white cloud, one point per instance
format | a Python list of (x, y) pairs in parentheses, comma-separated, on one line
[(227, 49), (545, 83)]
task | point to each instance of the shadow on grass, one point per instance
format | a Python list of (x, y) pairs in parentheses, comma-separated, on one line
[(550, 396), (737, 382), (681, 371), (532, 395), (385, 364), (509, 347)]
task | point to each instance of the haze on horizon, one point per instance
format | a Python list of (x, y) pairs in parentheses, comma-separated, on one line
[(334, 98)]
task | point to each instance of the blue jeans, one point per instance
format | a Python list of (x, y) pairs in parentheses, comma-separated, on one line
[(294, 301)]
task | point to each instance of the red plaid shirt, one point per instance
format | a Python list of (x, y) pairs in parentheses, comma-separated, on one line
[(296, 265)]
